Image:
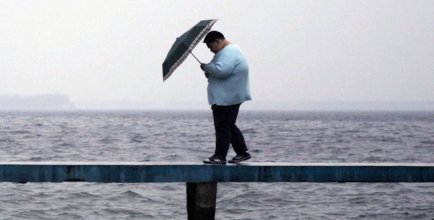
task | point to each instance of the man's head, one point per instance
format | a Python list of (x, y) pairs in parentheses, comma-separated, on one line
[(215, 41)]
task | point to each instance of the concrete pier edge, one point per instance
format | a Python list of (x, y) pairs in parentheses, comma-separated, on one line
[(141, 172), (201, 180)]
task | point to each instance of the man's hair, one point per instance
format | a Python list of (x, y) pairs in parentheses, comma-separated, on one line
[(213, 36)]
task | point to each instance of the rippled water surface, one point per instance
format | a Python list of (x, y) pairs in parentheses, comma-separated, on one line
[(189, 136)]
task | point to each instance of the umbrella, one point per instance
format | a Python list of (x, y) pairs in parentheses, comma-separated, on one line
[(184, 45)]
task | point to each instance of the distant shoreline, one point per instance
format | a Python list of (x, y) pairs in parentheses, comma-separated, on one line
[(208, 111), (63, 103), (36, 103)]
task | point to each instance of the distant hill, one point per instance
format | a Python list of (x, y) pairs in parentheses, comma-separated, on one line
[(36, 103)]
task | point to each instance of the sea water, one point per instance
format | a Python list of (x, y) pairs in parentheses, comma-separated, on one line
[(272, 136)]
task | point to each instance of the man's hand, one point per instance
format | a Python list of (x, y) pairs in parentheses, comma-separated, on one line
[(202, 66)]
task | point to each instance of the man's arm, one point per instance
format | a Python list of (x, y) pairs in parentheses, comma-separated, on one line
[(202, 66), (222, 66)]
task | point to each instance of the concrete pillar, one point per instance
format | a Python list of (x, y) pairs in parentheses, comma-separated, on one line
[(201, 200)]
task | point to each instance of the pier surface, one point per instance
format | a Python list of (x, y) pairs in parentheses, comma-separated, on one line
[(142, 172)]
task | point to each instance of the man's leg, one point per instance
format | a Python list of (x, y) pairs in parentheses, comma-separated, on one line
[(222, 125), (238, 142), (237, 138)]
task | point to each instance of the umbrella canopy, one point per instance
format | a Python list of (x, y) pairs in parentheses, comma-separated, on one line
[(184, 45)]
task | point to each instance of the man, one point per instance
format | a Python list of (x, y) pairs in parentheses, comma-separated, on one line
[(228, 88)]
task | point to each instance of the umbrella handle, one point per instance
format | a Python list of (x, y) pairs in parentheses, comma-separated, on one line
[(195, 57)]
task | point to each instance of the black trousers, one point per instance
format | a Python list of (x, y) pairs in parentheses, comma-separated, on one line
[(226, 132)]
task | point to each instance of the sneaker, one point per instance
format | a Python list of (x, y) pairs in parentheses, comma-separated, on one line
[(240, 158), (215, 160)]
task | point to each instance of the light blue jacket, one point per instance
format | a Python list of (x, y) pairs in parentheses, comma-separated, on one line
[(228, 77)]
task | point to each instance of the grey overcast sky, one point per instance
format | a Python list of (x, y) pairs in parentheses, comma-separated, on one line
[(98, 51)]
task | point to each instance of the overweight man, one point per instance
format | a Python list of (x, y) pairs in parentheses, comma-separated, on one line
[(228, 88)]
